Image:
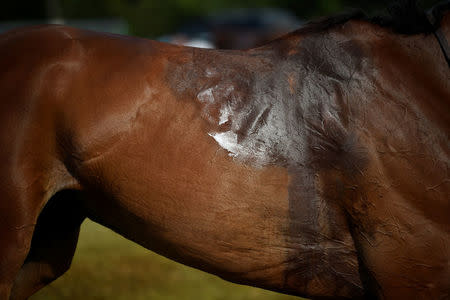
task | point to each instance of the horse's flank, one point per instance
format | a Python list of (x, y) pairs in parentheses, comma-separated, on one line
[(316, 165)]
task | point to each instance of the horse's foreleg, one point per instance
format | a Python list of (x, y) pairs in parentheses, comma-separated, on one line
[(13, 250), (16, 230), (36, 244), (53, 244)]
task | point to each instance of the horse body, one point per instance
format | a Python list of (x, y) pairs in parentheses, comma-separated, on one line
[(305, 166)]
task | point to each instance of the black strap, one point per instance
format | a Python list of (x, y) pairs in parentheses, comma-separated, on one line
[(434, 16)]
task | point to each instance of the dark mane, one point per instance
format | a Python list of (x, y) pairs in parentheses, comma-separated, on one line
[(403, 17)]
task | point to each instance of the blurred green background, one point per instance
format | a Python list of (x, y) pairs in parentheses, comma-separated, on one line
[(153, 18)]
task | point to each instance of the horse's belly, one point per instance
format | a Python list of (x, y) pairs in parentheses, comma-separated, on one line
[(196, 205), (165, 183)]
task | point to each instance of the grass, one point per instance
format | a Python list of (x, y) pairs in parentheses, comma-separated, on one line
[(107, 266)]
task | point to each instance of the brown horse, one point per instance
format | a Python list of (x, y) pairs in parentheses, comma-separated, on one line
[(316, 165)]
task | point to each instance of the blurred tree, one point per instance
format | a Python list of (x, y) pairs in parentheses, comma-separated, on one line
[(88, 9), (54, 11)]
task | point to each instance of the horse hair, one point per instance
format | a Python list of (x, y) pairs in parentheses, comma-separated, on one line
[(404, 17)]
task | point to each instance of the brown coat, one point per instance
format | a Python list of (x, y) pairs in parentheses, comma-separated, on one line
[(317, 165)]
